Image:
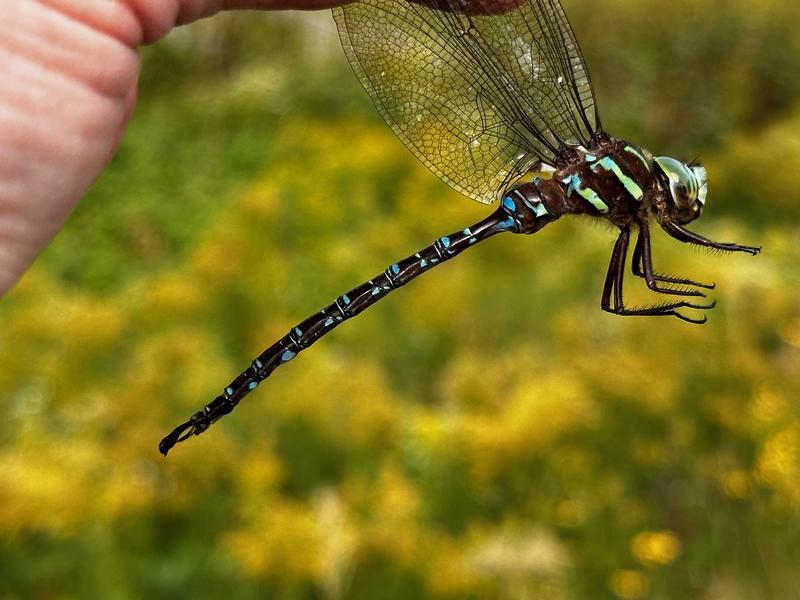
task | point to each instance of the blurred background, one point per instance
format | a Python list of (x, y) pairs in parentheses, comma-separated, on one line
[(511, 442)]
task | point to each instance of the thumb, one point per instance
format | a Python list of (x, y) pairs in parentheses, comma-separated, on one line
[(69, 71)]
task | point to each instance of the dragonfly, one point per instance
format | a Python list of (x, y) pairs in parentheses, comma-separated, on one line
[(494, 97)]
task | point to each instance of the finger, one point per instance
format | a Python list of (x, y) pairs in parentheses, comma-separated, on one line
[(283, 4), (158, 17)]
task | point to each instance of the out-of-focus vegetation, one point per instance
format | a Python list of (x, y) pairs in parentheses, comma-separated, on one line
[(486, 432)]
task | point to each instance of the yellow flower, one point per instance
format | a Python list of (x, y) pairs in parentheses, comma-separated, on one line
[(570, 513), (768, 406), (737, 485), (790, 332), (656, 547), (284, 542), (629, 585), (779, 462)]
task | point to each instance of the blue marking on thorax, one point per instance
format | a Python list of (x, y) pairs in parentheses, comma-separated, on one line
[(629, 184), (576, 185), (509, 204), (590, 157), (288, 355)]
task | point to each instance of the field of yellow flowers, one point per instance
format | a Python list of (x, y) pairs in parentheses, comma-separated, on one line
[(486, 432)]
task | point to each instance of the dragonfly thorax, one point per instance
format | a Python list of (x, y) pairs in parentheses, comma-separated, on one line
[(622, 183), (608, 178)]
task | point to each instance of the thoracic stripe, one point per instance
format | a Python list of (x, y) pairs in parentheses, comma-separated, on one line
[(629, 184), (638, 154), (587, 193)]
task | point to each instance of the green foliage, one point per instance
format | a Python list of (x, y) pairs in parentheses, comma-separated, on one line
[(486, 432)]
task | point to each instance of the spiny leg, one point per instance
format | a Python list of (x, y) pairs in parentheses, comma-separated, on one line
[(614, 282), (684, 235), (642, 266)]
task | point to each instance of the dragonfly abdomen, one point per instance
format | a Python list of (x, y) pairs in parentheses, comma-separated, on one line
[(522, 211)]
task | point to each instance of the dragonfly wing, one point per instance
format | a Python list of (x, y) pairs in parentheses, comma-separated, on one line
[(481, 91)]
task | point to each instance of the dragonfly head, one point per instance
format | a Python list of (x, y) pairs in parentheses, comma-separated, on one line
[(687, 186)]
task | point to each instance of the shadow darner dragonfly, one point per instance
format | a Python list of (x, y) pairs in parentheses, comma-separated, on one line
[(493, 96)]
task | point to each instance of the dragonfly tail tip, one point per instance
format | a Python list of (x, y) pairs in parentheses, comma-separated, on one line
[(175, 436)]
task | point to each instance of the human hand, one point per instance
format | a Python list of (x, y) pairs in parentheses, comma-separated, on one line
[(68, 75)]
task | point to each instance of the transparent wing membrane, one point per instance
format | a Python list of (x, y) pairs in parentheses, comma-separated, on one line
[(481, 91)]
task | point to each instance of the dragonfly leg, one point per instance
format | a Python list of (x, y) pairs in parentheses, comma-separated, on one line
[(642, 266), (684, 235), (612, 300)]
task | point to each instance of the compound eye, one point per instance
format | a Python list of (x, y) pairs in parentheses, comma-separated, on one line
[(680, 195), (681, 182), (702, 181)]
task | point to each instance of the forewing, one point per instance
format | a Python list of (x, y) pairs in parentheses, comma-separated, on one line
[(479, 90)]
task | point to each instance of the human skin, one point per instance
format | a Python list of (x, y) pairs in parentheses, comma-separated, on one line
[(68, 76)]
